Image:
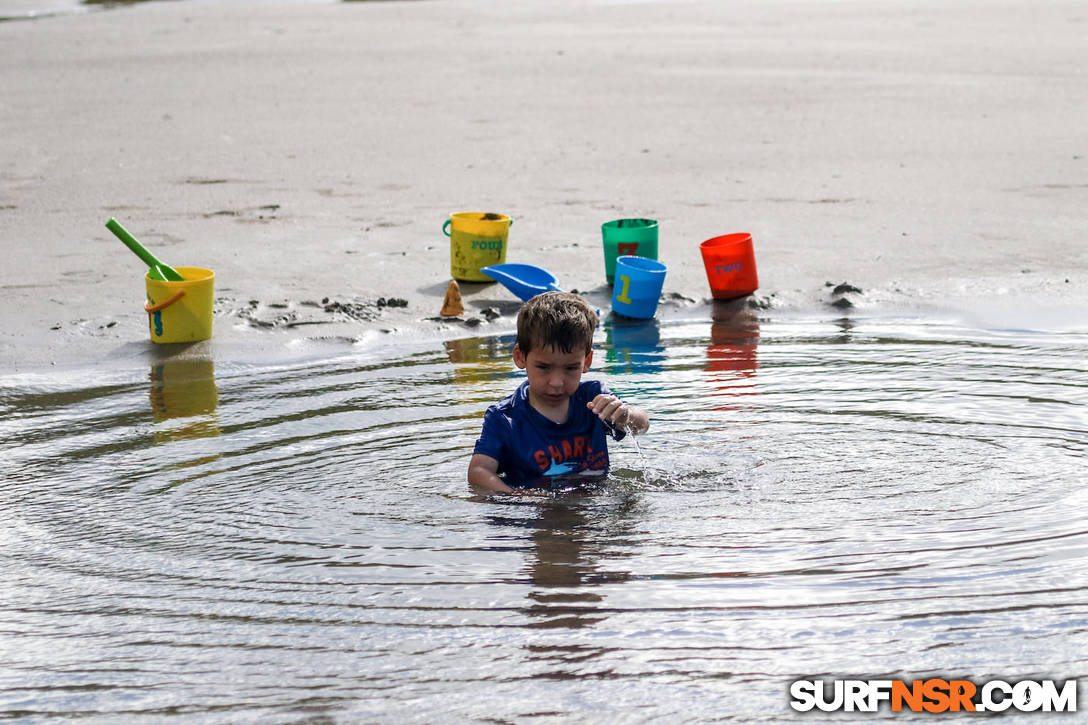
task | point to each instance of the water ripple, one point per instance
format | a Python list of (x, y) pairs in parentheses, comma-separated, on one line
[(296, 541)]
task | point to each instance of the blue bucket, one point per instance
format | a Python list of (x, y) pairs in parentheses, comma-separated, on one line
[(637, 287)]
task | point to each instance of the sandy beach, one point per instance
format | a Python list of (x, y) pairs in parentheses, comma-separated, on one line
[(930, 153)]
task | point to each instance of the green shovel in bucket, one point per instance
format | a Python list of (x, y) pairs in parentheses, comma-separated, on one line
[(158, 269)]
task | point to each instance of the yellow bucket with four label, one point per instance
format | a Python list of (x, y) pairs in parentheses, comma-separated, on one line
[(181, 311), (477, 239)]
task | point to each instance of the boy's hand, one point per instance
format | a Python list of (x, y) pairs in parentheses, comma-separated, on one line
[(619, 414), (610, 409)]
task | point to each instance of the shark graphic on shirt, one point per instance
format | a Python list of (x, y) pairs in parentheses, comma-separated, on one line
[(572, 455), (558, 469)]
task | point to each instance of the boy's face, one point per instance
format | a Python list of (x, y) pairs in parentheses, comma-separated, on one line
[(553, 375)]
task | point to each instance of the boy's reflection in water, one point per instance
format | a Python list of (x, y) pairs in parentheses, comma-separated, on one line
[(560, 565), (569, 536)]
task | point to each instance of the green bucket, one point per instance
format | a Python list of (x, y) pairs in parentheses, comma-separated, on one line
[(627, 237)]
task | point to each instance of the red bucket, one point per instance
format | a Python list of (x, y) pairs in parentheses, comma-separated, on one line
[(730, 265)]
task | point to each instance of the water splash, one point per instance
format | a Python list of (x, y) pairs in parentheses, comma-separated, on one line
[(629, 429)]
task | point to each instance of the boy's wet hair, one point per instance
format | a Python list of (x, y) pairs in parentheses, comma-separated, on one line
[(558, 319)]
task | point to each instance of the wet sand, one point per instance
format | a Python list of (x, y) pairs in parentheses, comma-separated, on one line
[(930, 154)]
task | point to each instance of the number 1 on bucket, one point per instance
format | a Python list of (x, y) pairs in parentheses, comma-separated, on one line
[(622, 296)]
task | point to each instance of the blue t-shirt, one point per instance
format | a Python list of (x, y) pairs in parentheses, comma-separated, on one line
[(529, 446)]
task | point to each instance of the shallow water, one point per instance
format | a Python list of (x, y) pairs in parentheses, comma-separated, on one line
[(295, 543)]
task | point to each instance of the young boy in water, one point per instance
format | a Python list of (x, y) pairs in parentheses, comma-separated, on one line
[(554, 423)]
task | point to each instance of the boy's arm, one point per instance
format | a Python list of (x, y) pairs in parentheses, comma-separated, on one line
[(626, 417), (483, 472)]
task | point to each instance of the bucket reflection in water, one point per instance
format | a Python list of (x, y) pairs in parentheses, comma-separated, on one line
[(479, 360), (731, 355), (632, 345), (184, 390), (477, 363)]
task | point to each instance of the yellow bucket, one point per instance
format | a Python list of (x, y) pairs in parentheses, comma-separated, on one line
[(478, 239), (181, 311)]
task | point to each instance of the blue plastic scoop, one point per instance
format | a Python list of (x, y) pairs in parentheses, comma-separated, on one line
[(524, 280)]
